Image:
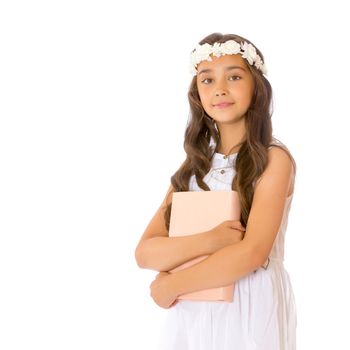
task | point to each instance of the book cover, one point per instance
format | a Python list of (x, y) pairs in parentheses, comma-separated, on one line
[(199, 211)]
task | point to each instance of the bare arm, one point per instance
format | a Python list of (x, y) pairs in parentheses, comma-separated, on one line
[(165, 253), (157, 251), (220, 269)]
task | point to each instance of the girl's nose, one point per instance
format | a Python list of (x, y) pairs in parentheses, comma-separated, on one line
[(220, 93)]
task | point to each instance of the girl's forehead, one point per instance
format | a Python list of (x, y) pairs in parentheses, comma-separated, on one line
[(217, 62)]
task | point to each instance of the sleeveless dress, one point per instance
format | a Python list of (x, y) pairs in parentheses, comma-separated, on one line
[(262, 315)]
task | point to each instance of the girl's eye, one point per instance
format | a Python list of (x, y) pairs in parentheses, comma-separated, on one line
[(234, 76), (205, 80)]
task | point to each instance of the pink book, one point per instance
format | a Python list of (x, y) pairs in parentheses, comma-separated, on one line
[(199, 211)]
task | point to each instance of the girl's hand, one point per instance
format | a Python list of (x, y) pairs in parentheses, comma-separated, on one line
[(162, 292), (226, 233)]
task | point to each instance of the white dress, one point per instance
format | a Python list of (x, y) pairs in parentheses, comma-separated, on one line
[(262, 315)]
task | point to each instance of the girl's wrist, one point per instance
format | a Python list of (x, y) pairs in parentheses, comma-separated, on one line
[(174, 284)]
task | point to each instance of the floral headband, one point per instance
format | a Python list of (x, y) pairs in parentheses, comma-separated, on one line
[(230, 47)]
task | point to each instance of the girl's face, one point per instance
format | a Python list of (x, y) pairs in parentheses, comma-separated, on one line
[(218, 82)]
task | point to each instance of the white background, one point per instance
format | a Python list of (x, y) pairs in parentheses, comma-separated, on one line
[(93, 107)]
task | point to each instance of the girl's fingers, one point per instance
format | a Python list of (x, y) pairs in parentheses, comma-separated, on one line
[(237, 224)]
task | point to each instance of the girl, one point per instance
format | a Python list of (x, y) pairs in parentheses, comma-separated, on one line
[(229, 145)]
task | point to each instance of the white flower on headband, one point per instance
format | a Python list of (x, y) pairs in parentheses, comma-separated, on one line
[(249, 52), (230, 47)]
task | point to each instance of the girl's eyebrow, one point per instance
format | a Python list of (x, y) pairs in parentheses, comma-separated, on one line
[(227, 68)]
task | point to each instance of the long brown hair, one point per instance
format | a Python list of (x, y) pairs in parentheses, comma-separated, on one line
[(251, 159)]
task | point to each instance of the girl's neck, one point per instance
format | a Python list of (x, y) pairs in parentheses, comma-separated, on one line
[(231, 137)]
